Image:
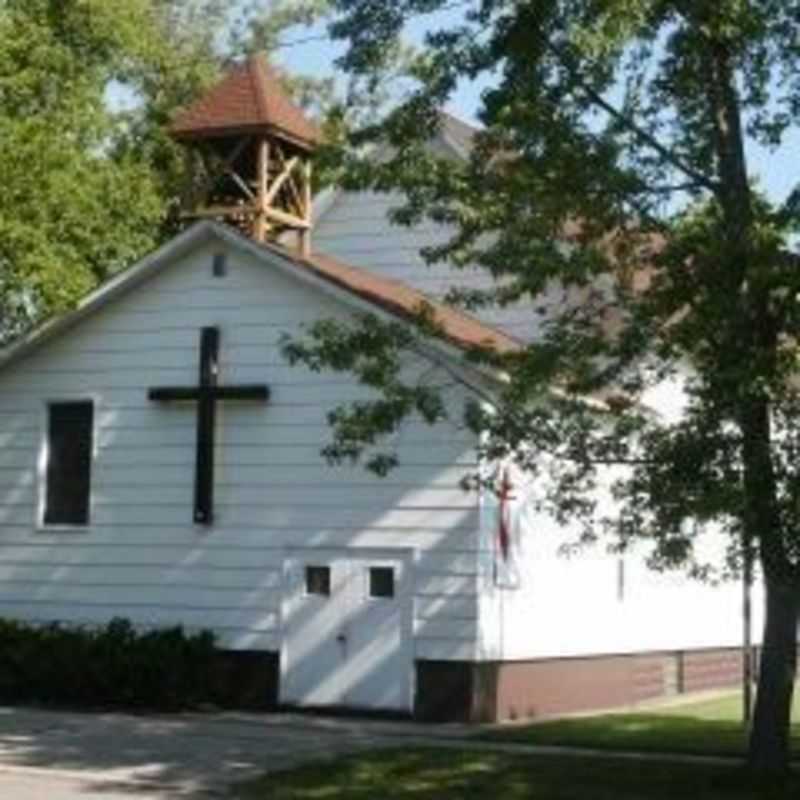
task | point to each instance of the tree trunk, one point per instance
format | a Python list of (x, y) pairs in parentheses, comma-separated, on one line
[(769, 736)]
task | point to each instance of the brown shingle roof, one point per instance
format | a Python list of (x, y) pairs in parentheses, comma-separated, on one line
[(249, 97), (398, 298)]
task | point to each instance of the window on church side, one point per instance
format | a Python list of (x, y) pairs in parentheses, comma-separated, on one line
[(381, 582), (69, 463), (318, 580)]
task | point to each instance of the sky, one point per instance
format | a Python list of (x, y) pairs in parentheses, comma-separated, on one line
[(317, 57), (778, 172), (310, 50)]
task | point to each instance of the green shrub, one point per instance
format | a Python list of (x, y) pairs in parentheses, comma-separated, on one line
[(165, 669)]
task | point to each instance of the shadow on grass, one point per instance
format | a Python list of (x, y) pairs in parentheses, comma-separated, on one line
[(420, 774), (636, 732), (644, 732)]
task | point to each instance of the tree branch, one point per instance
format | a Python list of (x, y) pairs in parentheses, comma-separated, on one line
[(676, 187), (697, 177)]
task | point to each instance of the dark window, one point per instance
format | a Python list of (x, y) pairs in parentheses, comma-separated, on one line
[(318, 580), (69, 463), (219, 267), (381, 582)]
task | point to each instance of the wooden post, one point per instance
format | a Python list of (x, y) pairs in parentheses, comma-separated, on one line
[(261, 225), (304, 236)]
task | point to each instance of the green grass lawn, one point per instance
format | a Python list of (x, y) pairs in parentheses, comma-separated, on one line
[(708, 726), (439, 774)]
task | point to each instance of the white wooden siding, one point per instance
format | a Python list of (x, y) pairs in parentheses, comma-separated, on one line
[(570, 607), (567, 606), (141, 557)]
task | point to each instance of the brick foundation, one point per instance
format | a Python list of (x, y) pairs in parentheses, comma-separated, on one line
[(248, 679), (710, 669), (496, 691)]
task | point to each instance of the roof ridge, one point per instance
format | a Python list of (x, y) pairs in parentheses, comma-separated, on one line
[(256, 66), (458, 326), (460, 135)]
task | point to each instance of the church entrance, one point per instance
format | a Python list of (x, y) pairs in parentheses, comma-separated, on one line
[(347, 638)]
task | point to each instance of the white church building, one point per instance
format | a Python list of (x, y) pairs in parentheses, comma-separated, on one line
[(135, 483)]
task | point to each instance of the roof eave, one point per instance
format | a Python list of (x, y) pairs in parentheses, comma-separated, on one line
[(192, 237), (189, 133), (119, 284)]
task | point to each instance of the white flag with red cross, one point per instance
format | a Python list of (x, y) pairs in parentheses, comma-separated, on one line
[(505, 502)]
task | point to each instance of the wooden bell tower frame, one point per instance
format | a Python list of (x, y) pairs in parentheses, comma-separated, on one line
[(259, 187), (252, 156), (284, 193)]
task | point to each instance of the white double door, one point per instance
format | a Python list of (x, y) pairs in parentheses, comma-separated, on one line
[(347, 638)]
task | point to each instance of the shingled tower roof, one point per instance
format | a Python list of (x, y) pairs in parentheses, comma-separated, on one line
[(249, 98)]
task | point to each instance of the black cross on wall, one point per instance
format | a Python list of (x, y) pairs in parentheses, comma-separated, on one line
[(206, 395)]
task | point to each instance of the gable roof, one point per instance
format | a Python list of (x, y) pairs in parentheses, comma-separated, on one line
[(458, 134), (348, 282), (249, 97), (460, 328), (455, 134)]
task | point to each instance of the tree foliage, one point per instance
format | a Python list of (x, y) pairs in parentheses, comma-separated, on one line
[(90, 177), (611, 192), (66, 212)]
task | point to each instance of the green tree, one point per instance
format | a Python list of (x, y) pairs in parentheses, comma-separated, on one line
[(66, 212), (614, 163), (90, 177)]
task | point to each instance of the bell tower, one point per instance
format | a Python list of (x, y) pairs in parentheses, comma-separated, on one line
[(252, 149)]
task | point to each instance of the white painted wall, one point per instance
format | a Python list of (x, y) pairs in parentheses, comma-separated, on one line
[(549, 604), (142, 557), (570, 606), (561, 607)]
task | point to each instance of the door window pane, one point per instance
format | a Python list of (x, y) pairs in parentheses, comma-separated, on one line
[(318, 580), (381, 582)]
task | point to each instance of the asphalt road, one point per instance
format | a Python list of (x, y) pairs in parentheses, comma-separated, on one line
[(65, 756), (47, 784)]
